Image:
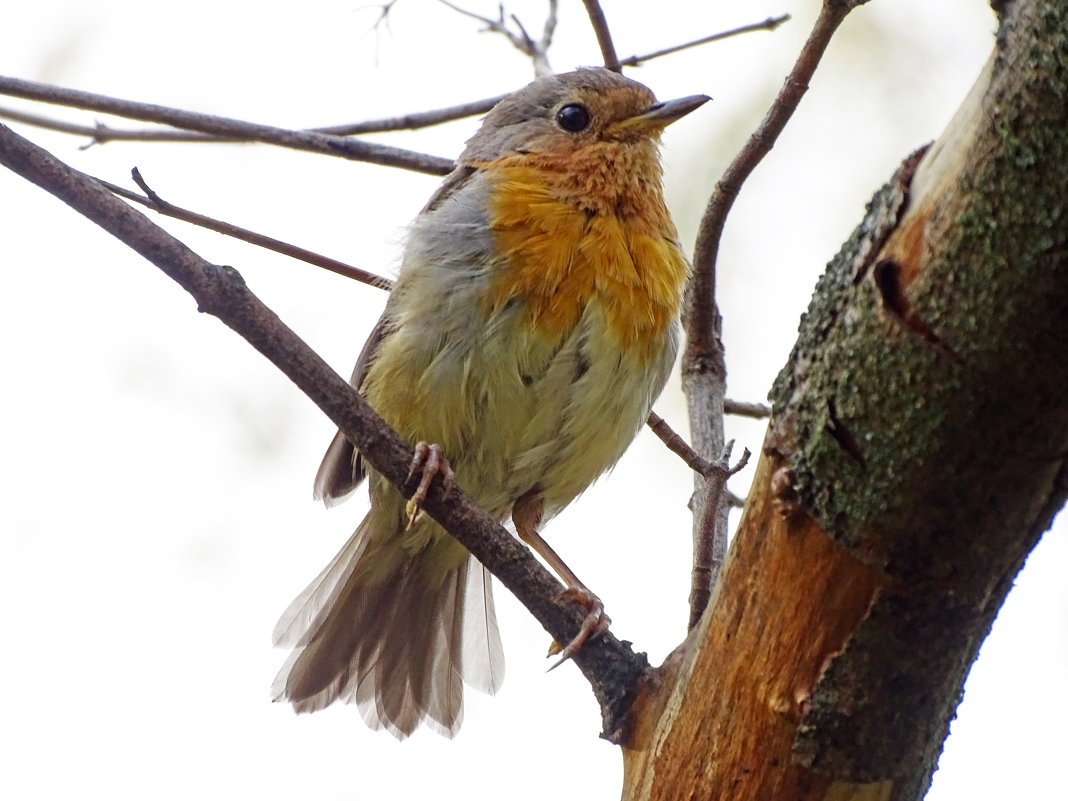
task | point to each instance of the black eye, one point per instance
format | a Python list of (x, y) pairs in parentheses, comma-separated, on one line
[(573, 117)]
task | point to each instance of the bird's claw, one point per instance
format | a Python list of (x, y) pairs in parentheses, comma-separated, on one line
[(595, 624), (428, 461)]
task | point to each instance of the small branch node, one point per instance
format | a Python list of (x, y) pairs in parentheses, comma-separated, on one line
[(758, 411), (157, 201)]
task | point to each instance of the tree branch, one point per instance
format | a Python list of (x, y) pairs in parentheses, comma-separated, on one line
[(918, 450), (604, 35), (613, 669), (158, 204), (758, 411), (414, 120), (101, 134), (352, 149), (704, 371), (770, 24), (536, 50)]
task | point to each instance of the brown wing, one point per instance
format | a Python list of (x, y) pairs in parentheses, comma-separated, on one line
[(342, 467)]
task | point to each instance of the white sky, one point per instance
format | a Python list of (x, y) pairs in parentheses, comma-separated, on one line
[(156, 515)]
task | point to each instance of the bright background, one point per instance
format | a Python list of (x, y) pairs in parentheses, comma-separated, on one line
[(155, 511)]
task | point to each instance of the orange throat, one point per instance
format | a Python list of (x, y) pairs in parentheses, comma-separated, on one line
[(583, 227)]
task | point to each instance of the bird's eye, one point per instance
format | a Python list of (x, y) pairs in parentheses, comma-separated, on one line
[(573, 117)]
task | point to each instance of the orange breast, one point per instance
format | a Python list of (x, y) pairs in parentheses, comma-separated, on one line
[(560, 245)]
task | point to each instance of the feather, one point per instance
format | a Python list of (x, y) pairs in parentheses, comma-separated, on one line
[(392, 631)]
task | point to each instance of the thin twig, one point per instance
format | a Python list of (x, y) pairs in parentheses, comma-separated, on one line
[(758, 411), (604, 35), (770, 24), (383, 15), (732, 500), (759, 144), (703, 365), (707, 557), (418, 119), (101, 134), (50, 124), (155, 202), (537, 51), (677, 445), (548, 30), (221, 126)]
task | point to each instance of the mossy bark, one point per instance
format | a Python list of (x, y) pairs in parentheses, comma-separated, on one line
[(918, 450)]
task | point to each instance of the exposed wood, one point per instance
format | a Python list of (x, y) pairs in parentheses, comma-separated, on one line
[(789, 599), (917, 451)]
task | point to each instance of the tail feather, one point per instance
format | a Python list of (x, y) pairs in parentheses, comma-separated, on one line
[(399, 642), (483, 655)]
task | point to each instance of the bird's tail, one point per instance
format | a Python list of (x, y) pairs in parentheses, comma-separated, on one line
[(394, 630)]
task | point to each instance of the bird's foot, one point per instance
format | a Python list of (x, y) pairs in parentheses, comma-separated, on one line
[(428, 461), (595, 624)]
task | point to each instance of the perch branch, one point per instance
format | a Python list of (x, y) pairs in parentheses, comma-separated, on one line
[(613, 669)]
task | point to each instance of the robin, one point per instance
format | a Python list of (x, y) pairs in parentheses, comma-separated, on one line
[(533, 323)]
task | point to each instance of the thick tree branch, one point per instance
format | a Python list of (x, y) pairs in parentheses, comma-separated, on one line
[(613, 669), (918, 450), (352, 149)]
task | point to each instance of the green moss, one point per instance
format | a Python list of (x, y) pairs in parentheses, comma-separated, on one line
[(898, 432)]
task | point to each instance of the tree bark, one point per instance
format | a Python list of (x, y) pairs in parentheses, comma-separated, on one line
[(918, 450)]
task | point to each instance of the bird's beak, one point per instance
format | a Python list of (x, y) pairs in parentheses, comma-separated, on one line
[(659, 115)]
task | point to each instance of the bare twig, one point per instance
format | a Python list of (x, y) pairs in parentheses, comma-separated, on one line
[(548, 30), (770, 24), (155, 202), (759, 144), (418, 119), (677, 445), (101, 134), (604, 35), (758, 411), (50, 124), (734, 501), (612, 667), (536, 50), (707, 556), (703, 366), (383, 15), (221, 126)]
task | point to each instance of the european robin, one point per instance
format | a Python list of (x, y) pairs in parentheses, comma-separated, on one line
[(533, 323)]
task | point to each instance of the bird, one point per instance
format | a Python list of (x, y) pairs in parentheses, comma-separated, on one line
[(533, 322)]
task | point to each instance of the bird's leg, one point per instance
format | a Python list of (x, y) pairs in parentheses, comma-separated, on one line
[(526, 514), (428, 460)]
